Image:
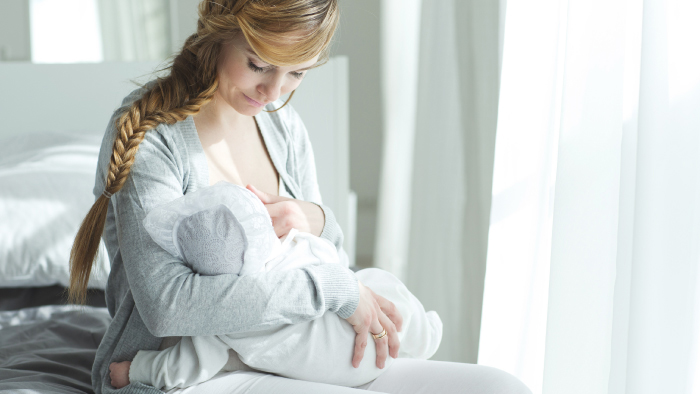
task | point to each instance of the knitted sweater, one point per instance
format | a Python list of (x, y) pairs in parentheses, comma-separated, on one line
[(151, 295)]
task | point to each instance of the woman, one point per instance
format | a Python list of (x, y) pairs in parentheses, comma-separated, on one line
[(203, 123)]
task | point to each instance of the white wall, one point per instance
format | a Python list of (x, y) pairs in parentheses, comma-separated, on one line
[(358, 39)]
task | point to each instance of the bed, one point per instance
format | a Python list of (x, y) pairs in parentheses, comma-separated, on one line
[(49, 141)]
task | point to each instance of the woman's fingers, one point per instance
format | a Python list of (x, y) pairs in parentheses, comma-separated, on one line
[(368, 317), (392, 335), (380, 343), (389, 310), (361, 321), (360, 345)]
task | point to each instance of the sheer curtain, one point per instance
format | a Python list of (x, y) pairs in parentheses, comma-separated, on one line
[(137, 30), (440, 70), (592, 279)]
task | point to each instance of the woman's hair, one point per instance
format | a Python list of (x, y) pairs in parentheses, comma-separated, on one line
[(281, 32)]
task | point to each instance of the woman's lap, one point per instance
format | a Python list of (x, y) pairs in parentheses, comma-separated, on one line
[(405, 376), (411, 376), (247, 382)]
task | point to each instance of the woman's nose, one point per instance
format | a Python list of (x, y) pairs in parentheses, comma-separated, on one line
[(271, 88)]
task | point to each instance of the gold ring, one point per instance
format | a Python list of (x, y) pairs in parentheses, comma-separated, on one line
[(380, 335)]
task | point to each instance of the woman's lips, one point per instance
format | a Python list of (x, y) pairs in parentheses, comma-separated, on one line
[(253, 102)]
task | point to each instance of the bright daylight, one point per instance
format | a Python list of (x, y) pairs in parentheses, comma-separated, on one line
[(349, 196)]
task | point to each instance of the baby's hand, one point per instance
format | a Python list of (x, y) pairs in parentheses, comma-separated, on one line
[(287, 213), (119, 373)]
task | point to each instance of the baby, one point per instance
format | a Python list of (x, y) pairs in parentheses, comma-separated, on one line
[(225, 229)]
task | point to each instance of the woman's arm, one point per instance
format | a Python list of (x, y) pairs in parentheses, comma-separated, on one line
[(373, 313), (173, 300)]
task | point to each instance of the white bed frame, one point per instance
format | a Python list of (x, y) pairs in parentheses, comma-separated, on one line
[(82, 97)]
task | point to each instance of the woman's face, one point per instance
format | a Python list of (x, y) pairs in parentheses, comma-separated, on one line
[(247, 83)]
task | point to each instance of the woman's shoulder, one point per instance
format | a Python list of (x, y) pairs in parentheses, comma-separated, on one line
[(166, 133), (171, 148)]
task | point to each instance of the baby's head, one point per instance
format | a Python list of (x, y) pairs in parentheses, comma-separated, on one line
[(212, 241), (220, 229)]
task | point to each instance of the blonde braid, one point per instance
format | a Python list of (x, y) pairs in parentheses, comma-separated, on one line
[(132, 129), (143, 115)]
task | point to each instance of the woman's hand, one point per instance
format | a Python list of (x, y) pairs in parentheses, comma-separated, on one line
[(288, 213), (374, 314)]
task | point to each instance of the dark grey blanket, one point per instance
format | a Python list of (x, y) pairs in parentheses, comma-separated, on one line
[(50, 349)]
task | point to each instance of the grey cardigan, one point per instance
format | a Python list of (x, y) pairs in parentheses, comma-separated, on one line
[(150, 294)]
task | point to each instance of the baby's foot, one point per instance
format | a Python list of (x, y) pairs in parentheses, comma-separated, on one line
[(119, 373)]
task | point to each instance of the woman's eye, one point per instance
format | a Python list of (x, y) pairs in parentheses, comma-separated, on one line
[(255, 68)]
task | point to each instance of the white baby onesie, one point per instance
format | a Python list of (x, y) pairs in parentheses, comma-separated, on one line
[(225, 229)]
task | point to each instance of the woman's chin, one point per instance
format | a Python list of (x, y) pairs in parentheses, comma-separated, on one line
[(247, 109)]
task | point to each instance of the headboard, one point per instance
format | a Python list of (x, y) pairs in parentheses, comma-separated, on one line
[(81, 98)]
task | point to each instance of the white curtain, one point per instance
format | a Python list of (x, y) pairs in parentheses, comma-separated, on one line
[(440, 67), (592, 280), (400, 32), (137, 30)]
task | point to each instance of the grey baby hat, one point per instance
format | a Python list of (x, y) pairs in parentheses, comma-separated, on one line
[(218, 229)]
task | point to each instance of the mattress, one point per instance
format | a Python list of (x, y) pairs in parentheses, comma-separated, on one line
[(48, 348)]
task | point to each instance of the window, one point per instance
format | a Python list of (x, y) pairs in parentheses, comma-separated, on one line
[(65, 31)]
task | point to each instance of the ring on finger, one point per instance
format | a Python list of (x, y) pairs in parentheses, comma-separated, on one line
[(380, 335)]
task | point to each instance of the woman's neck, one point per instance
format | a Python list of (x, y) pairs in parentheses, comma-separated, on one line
[(218, 117)]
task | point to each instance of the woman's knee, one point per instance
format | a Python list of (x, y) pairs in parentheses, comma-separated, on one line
[(426, 376), (499, 381)]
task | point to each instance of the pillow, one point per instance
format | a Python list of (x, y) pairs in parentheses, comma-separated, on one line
[(46, 182)]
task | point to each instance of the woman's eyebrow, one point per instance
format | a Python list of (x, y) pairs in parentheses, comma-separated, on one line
[(251, 53), (255, 55)]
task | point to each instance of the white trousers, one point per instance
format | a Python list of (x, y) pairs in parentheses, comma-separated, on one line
[(404, 376)]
